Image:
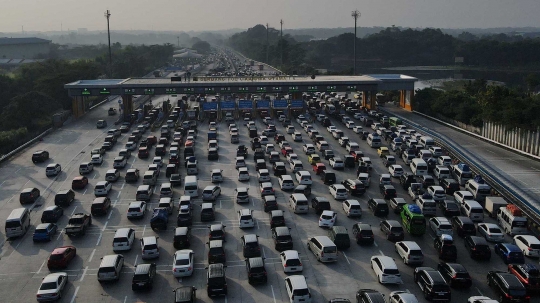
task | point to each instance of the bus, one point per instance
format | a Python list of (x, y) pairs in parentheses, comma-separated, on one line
[(413, 221), (395, 121)]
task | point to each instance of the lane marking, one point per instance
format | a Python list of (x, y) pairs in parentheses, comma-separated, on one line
[(144, 229), (84, 193), (99, 239), (75, 294), (382, 254), (105, 226), (84, 274), (273, 295), (59, 235), (123, 184), (92, 255), (74, 209), (136, 258), (125, 299), (479, 291), (118, 197), (42, 264), (375, 243), (346, 258)]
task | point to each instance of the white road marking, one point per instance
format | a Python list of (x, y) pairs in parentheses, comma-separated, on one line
[(123, 184), (99, 239), (136, 258), (219, 203), (125, 299), (84, 274), (346, 257), (85, 191), (118, 197), (273, 295), (105, 226), (59, 235), (375, 243), (92, 255), (144, 229), (42, 264), (257, 223), (3, 182), (479, 291), (94, 176), (382, 254), (75, 294), (74, 209), (18, 170)]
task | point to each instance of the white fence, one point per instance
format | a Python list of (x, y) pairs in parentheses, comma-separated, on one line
[(523, 140)]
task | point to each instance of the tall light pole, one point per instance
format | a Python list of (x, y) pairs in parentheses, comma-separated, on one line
[(267, 45), (108, 16), (178, 37), (355, 14), (281, 42)]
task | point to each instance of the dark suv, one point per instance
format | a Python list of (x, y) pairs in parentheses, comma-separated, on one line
[(527, 274), (450, 186), (320, 204), (355, 187), (363, 233), (477, 247), (144, 277), (256, 271), (393, 230), (369, 295), (463, 226), (378, 207), (405, 180), (216, 282), (216, 252), (250, 246), (446, 249), (282, 238), (508, 287), (455, 275), (433, 285), (40, 156)]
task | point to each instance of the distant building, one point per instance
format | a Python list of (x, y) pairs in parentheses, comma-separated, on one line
[(23, 48)]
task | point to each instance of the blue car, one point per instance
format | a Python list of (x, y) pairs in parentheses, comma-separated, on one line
[(509, 253), (44, 232)]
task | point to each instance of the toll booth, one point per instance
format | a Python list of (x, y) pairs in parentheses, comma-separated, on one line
[(225, 107), (245, 109), (210, 111), (263, 108), (296, 108), (279, 106)]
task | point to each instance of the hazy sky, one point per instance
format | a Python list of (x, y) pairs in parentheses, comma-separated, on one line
[(197, 15)]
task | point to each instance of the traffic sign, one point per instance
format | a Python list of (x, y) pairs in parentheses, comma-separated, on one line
[(209, 106), (227, 105), (280, 104), (245, 104), (263, 104), (297, 104)]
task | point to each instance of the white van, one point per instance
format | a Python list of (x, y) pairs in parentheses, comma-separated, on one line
[(425, 154), (374, 141), (473, 210), (17, 223), (512, 225), (441, 172), (150, 177), (297, 289), (323, 248), (299, 203), (427, 142), (110, 268), (419, 167), (478, 190), (296, 165), (144, 192), (410, 252), (303, 177), (462, 176), (427, 206), (191, 186)]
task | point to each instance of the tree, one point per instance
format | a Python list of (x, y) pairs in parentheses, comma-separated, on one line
[(202, 47), (31, 110)]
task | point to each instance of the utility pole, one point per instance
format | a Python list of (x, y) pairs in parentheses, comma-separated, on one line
[(267, 45), (355, 14), (178, 37), (281, 42), (108, 16)]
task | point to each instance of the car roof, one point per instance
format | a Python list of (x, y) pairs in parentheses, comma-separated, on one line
[(53, 277), (142, 268)]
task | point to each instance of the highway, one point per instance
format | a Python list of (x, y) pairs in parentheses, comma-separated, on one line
[(22, 262)]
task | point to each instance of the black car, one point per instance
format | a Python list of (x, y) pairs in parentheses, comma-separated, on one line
[(216, 252), (143, 279), (40, 156), (392, 230), (388, 191), (355, 187), (250, 246), (320, 204), (282, 238), (216, 282), (463, 226), (446, 249), (433, 285), (363, 234), (405, 180), (369, 295), (256, 271), (378, 207), (52, 214), (455, 275), (182, 237), (258, 154), (450, 186), (185, 294), (427, 181), (477, 247), (508, 287), (242, 151), (449, 208), (213, 154), (175, 179)]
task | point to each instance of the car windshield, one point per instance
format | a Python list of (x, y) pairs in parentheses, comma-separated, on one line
[(495, 230), (48, 285), (140, 278), (40, 231), (182, 262)]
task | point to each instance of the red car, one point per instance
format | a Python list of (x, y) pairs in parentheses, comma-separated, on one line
[(528, 275), (357, 155), (286, 150), (143, 153), (79, 182), (61, 256), (152, 140), (318, 168)]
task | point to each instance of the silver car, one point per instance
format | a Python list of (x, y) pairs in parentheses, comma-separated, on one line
[(51, 287)]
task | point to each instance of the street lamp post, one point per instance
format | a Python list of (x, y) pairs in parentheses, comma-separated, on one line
[(355, 14)]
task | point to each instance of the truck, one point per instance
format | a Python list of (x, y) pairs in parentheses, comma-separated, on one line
[(77, 224), (493, 204)]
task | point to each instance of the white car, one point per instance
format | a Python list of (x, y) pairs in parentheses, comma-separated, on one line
[(263, 175), (158, 161), (216, 175), (309, 148), (183, 263), (245, 218), (269, 148), (102, 188), (338, 191), (97, 159), (331, 128), (352, 146), (154, 167), (441, 225), (343, 141), (281, 118), (290, 260), (136, 210), (284, 144), (357, 116), (131, 145), (51, 287), (491, 232), (350, 124), (300, 118), (481, 299), (213, 144), (263, 140), (529, 245), (328, 218), (290, 129), (364, 178), (320, 117), (292, 157), (243, 174), (297, 137), (395, 170), (240, 162), (337, 163), (357, 129), (386, 270)]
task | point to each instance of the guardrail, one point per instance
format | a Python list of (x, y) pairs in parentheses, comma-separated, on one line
[(25, 145), (479, 167)]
